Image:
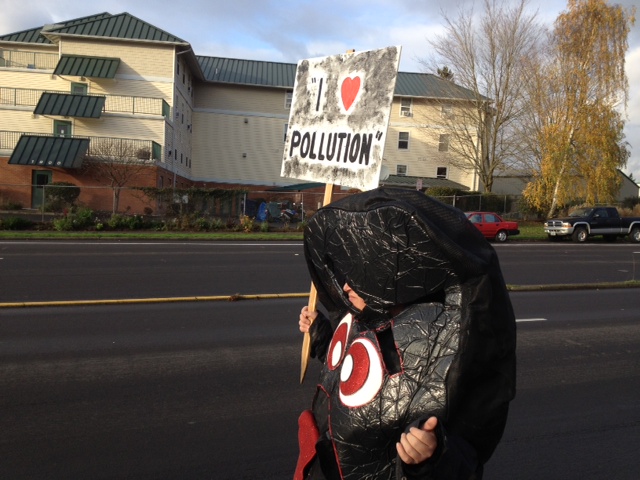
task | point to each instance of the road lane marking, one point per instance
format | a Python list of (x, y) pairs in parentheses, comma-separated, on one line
[(518, 320)]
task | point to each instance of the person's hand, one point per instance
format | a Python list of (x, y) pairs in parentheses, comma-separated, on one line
[(419, 444), (306, 319)]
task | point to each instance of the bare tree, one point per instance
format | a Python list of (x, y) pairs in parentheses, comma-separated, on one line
[(485, 54), (117, 163)]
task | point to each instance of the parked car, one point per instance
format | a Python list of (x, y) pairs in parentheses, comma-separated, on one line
[(492, 226), (586, 222)]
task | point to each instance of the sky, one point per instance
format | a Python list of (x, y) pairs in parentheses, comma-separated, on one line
[(291, 30)]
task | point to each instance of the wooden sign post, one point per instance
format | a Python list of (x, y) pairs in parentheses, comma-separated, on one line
[(313, 301), (340, 112)]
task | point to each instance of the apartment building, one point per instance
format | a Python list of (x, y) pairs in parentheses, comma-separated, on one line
[(108, 102)]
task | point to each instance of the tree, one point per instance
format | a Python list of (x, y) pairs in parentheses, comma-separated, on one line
[(486, 52), (117, 163), (445, 73), (576, 91)]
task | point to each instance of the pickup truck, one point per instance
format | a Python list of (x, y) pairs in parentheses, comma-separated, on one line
[(583, 223)]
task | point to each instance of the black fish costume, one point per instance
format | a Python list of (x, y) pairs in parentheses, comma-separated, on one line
[(449, 353)]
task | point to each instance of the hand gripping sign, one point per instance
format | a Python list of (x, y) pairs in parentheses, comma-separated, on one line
[(338, 125)]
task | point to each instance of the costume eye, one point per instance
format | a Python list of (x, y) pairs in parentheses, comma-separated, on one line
[(338, 344), (361, 375)]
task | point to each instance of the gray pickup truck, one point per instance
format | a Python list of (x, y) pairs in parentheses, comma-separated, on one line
[(583, 223)]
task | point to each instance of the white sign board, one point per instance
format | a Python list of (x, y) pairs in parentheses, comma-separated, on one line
[(339, 117)]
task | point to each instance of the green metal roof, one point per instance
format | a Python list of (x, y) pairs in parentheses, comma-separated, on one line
[(122, 26), (70, 105), (431, 86), (248, 72), (272, 74), (410, 182), (82, 66), (41, 151), (33, 35)]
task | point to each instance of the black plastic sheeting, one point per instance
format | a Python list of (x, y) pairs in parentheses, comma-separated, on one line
[(450, 353)]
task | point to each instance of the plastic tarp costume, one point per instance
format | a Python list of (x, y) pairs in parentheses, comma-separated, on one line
[(450, 353)]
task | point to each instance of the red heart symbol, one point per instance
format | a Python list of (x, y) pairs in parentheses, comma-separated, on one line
[(350, 89)]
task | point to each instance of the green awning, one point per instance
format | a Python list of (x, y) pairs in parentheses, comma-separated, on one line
[(70, 105), (41, 151), (94, 67)]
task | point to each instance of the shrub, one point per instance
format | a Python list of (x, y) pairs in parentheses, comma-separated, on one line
[(630, 202), (10, 205), (201, 224), (217, 224), (116, 222), (15, 223), (76, 220), (59, 195), (247, 224)]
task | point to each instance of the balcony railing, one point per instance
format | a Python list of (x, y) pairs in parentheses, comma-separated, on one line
[(25, 59), (99, 147), (26, 97)]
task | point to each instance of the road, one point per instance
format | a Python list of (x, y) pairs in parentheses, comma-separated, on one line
[(209, 390), (50, 271)]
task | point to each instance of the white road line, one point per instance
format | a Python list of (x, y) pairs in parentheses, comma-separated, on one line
[(531, 320)]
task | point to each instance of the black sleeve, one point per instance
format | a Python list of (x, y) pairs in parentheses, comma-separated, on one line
[(321, 332), (454, 459)]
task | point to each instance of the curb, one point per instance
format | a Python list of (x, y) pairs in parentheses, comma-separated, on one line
[(238, 297)]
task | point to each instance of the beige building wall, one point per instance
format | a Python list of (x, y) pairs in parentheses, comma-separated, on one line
[(146, 71), (239, 134), (423, 157), (239, 137)]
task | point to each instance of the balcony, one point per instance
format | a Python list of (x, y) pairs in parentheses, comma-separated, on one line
[(123, 150), (25, 97), (26, 59)]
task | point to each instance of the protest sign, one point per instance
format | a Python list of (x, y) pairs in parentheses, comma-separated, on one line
[(337, 128), (339, 118)]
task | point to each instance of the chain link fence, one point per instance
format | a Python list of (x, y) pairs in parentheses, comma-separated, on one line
[(41, 202)]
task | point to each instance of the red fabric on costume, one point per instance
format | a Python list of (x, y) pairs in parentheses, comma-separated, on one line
[(308, 435)]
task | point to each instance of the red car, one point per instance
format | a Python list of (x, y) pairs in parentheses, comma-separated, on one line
[(493, 226)]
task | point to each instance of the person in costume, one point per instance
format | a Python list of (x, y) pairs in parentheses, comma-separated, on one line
[(418, 344)]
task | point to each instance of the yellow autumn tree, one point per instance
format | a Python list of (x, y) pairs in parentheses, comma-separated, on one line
[(577, 90)]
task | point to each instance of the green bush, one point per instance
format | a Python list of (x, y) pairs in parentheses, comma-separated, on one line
[(15, 223), (201, 224), (10, 205), (217, 224), (76, 220), (630, 202), (60, 195)]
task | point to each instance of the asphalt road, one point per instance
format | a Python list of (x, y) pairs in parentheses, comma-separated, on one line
[(209, 390), (53, 271)]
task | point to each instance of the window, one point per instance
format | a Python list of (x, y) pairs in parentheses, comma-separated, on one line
[(441, 172), (401, 170), (79, 88), (61, 128), (447, 111), (288, 96), (403, 140), (444, 143), (405, 107)]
